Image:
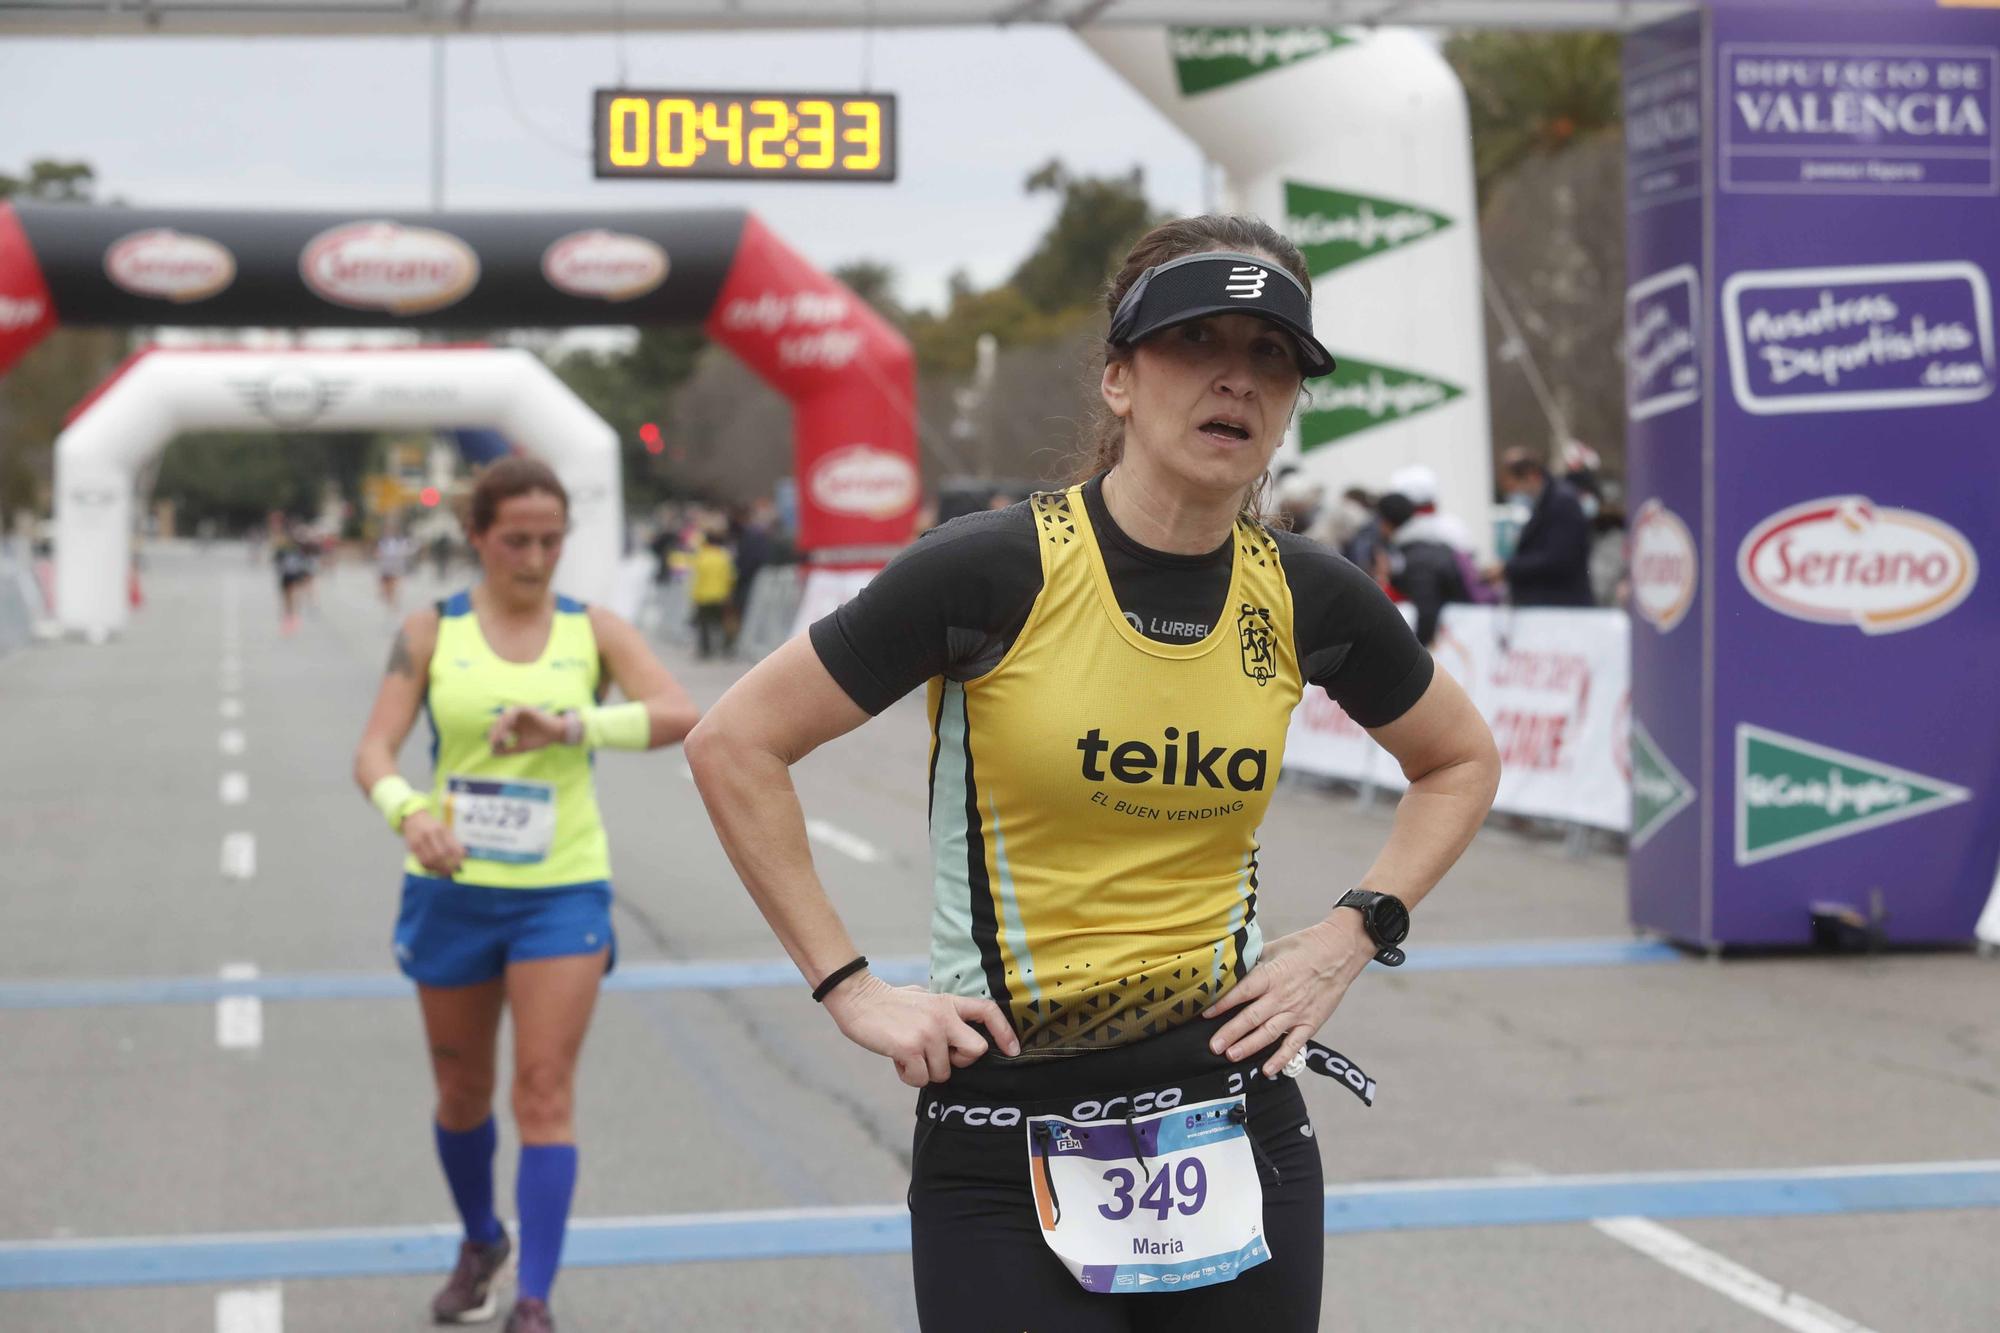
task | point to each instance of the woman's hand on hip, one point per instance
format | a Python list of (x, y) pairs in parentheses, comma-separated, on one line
[(432, 844), (518, 730), (1295, 987), (927, 1035)]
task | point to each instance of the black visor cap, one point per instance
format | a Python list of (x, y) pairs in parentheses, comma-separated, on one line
[(1220, 282)]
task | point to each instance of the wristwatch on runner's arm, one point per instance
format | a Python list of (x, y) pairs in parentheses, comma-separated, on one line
[(1387, 920)]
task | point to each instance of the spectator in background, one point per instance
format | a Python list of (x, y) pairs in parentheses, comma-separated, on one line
[(753, 552), (1419, 484), (1422, 569), (1551, 561), (1345, 519), (709, 589), (1299, 499)]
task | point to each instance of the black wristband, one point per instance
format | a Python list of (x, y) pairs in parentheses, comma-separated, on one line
[(835, 977)]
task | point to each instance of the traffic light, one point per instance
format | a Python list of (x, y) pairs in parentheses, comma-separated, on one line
[(649, 435), (429, 496)]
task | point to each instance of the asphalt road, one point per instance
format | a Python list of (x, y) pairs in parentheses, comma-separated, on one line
[(135, 1121)]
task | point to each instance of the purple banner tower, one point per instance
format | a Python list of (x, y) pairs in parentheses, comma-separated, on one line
[(1813, 197)]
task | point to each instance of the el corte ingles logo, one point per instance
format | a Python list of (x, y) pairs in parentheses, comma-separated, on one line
[(1334, 229), (1209, 58), (1659, 791), (1360, 395), (1792, 794)]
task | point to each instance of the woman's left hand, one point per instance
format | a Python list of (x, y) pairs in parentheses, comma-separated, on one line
[(1295, 987), (518, 730)]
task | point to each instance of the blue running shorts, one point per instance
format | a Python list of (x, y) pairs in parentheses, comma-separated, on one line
[(450, 934)]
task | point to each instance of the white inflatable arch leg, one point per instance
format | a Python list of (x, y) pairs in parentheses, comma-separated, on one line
[(162, 393)]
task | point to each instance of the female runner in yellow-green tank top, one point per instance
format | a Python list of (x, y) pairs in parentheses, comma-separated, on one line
[(507, 890), (1112, 669)]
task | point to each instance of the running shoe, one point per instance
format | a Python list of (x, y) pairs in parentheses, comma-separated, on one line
[(471, 1296), (530, 1316)]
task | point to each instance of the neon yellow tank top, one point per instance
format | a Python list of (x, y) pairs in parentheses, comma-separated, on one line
[(1095, 800), (527, 821)]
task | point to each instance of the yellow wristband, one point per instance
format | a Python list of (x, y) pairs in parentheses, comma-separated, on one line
[(397, 800), (625, 726)]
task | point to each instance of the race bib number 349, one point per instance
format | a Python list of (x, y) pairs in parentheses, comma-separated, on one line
[(513, 821), (1157, 1203)]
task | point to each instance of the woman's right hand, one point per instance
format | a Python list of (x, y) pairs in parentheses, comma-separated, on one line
[(432, 844), (926, 1034)]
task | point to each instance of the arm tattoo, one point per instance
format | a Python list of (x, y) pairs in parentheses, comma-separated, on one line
[(400, 663)]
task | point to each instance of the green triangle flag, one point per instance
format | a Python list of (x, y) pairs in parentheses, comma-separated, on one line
[(1792, 794), (1209, 58), (1333, 228), (1360, 395), (1659, 792)]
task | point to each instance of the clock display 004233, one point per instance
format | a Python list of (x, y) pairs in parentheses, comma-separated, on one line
[(744, 135)]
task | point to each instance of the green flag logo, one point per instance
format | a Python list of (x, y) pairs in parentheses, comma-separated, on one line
[(1792, 794), (1360, 395), (1209, 58), (1659, 792), (1333, 229)]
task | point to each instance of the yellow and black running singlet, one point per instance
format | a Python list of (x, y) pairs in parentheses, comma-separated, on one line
[(1108, 725)]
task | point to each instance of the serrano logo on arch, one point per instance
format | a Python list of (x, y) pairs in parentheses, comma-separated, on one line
[(862, 479), (1845, 560), (1663, 566), (169, 264), (605, 265), (387, 266)]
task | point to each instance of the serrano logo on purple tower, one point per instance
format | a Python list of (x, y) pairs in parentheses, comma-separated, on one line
[(1844, 560), (171, 265), (1842, 339), (1662, 347), (387, 266), (1857, 119), (605, 265), (1663, 566)]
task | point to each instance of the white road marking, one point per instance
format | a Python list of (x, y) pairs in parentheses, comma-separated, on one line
[(840, 840), (232, 709), (239, 1019), (233, 741), (687, 772), (1750, 1290), (235, 788), (250, 1310), (239, 855)]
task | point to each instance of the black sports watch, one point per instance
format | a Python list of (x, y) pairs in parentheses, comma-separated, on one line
[(1387, 921)]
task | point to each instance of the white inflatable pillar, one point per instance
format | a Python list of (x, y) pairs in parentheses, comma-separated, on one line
[(1355, 144)]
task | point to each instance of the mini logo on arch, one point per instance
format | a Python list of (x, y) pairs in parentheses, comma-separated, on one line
[(1845, 560), (1258, 641)]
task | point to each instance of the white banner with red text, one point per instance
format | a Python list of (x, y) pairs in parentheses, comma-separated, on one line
[(1553, 684)]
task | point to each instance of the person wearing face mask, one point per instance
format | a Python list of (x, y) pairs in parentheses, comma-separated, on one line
[(1103, 1048), (1551, 561), (507, 884)]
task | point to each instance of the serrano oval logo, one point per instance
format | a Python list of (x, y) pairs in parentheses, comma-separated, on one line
[(1663, 566), (605, 265), (865, 481), (1844, 560), (387, 266), (171, 265)]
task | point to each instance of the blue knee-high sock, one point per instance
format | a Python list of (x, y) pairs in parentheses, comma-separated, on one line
[(542, 1192), (468, 1168)]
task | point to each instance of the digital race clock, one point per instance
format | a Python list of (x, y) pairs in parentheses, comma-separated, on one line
[(744, 136)]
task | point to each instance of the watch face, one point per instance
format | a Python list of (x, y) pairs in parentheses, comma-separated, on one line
[(1389, 920)]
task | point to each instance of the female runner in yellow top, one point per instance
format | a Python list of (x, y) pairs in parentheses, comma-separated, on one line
[(507, 890), (1111, 672)]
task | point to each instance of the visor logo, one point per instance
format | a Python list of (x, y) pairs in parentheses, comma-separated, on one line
[(1246, 282)]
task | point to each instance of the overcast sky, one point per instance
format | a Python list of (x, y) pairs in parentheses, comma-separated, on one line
[(345, 124)]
